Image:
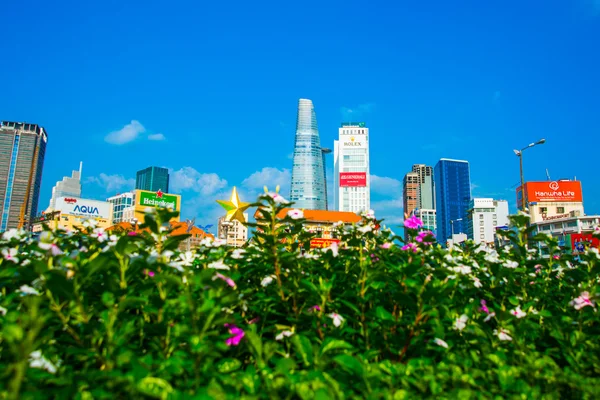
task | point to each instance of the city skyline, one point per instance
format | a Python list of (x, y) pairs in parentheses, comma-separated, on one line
[(428, 87)]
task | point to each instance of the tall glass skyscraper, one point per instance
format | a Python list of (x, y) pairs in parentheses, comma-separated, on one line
[(153, 179), (22, 149), (452, 197), (308, 190)]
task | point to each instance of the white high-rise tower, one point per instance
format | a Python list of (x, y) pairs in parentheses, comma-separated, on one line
[(352, 180), (68, 187)]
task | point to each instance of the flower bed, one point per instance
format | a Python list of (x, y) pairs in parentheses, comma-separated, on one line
[(92, 316)]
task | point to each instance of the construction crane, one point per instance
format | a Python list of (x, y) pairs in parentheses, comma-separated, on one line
[(28, 190)]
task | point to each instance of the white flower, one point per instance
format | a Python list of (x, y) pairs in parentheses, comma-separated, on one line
[(593, 251), (365, 229), (461, 322), (10, 255), (36, 360), (149, 210), (517, 312), (510, 264), (206, 242), (238, 253), (13, 234), (90, 223), (219, 242), (337, 318), (267, 280), (277, 198), (463, 269), (582, 301), (490, 316), (28, 290), (334, 249), (492, 257), (477, 283), (295, 214), (100, 234), (503, 334), (309, 256), (282, 334), (186, 259), (218, 265), (3, 311), (440, 342)]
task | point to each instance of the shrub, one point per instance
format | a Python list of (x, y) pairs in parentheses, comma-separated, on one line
[(91, 316)]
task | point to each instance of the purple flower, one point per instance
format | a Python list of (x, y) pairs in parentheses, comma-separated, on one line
[(410, 246), (149, 273), (425, 237), (132, 233), (237, 333), (484, 307), (229, 281), (315, 308), (413, 223), (253, 320)]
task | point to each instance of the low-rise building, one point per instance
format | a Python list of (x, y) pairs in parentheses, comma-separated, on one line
[(233, 232), (143, 199), (322, 222), (484, 216), (428, 218), (177, 228), (120, 202), (71, 212), (572, 232)]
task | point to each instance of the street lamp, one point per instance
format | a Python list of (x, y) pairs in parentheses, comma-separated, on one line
[(519, 153)]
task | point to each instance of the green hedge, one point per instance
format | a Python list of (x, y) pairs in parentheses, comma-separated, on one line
[(94, 316)]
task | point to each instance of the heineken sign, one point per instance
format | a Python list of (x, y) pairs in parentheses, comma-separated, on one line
[(158, 200)]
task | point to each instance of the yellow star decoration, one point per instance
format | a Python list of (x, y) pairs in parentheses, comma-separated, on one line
[(234, 207)]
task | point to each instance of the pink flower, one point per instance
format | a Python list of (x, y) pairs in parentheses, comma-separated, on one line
[(425, 237), (538, 269), (413, 223), (556, 257), (237, 333), (229, 281), (582, 301), (132, 233), (386, 245), (410, 246), (315, 308), (253, 320), (484, 307), (149, 273)]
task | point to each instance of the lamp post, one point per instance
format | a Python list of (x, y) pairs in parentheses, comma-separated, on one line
[(519, 153)]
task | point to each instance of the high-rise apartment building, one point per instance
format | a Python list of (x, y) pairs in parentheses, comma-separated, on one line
[(120, 202), (428, 217), (410, 192), (234, 232), (153, 179), (484, 216), (67, 187), (22, 152), (352, 179), (452, 197), (426, 191), (308, 189)]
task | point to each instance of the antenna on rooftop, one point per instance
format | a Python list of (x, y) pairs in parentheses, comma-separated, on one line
[(548, 175)]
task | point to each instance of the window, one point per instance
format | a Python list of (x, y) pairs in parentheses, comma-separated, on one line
[(482, 236), (481, 229), (480, 216), (543, 210), (560, 210)]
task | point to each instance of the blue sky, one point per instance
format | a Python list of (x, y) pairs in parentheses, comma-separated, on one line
[(210, 89)]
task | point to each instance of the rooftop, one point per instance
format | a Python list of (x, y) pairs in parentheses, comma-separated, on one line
[(325, 216)]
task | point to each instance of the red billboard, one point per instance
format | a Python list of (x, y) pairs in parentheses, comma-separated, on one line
[(322, 243), (353, 179), (580, 242), (561, 191)]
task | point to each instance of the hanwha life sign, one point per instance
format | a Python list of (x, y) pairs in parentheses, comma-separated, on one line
[(555, 191)]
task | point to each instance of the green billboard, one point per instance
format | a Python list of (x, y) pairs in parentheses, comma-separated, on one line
[(151, 199)]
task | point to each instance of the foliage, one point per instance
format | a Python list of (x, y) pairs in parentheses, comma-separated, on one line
[(92, 316)]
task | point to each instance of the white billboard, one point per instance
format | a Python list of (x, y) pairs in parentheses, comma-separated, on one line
[(84, 207)]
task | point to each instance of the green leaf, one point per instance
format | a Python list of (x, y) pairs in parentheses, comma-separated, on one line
[(334, 344), (513, 300), (304, 348), (155, 388), (255, 342), (383, 314), (59, 285), (172, 243), (229, 365), (349, 363)]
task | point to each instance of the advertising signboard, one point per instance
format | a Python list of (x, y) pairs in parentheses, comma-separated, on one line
[(353, 179), (581, 242), (157, 199), (555, 191), (84, 207), (322, 243)]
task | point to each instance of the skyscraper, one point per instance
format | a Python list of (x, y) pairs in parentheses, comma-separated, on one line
[(452, 197), (23, 148), (410, 192), (352, 180), (153, 179), (67, 187), (308, 189), (425, 193)]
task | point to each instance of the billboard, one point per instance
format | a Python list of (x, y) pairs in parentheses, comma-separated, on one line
[(322, 243), (157, 199), (353, 179), (555, 191), (580, 242), (84, 207)]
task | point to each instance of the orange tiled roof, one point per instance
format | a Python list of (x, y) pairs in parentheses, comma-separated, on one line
[(179, 228), (326, 216)]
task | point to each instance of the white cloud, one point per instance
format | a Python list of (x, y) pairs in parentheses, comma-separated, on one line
[(156, 137), (187, 178), (354, 113), (127, 134), (386, 186), (270, 177), (112, 183)]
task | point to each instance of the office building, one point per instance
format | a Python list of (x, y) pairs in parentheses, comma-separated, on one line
[(352, 179), (70, 213), (410, 192), (428, 217), (484, 216), (452, 197), (153, 179), (69, 186), (144, 199), (233, 232), (426, 191), (550, 200), (308, 189), (120, 202), (325, 151), (22, 150)]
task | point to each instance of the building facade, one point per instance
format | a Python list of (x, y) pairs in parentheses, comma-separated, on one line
[(120, 202), (426, 191), (143, 199), (410, 192), (428, 217), (452, 197), (70, 213), (308, 187), (233, 232), (485, 215), (152, 179), (352, 179), (22, 153), (551, 200), (67, 187)]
